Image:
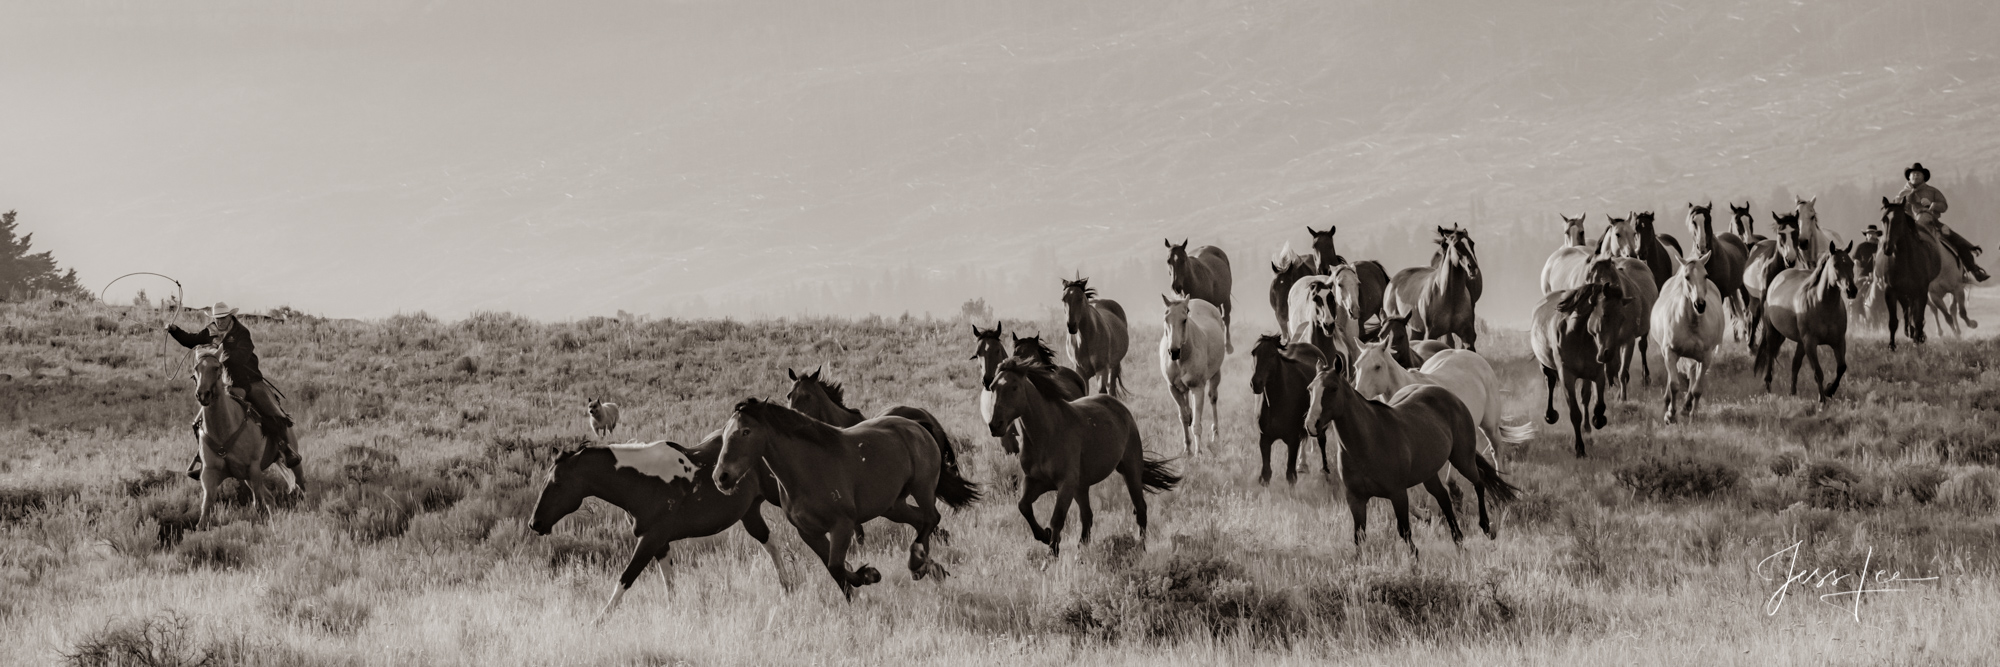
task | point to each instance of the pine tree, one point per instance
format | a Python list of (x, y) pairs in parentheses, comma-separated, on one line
[(22, 273)]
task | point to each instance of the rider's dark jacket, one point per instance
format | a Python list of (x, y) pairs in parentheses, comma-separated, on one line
[(239, 355)]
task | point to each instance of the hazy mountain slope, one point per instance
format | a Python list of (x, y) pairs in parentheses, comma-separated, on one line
[(636, 157)]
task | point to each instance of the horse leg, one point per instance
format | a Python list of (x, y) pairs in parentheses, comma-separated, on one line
[(1575, 413), (651, 547), (1357, 506), (1645, 341), (1083, 517), (1214, 414), (1187, 417), (924, 518), (1032, 489), (1839, 365), (1673, 381), (1264, 476), (210, 479), (1625, 371), (1065, 494), (1553, 377), (1894, 303), (1134, 472), (841, 538), (1819, 376), (1400, 502), (1800, 349), (753, 523), (1292, 460), (1443, 497), (1323, 468)]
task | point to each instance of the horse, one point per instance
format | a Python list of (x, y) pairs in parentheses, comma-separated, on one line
[(1727, 254), (231, 446), (1438, 298), (1689, 331), (1907, 265), (1807, 306), (1475, 279), (1191, 352), (988, 351), (1369, 274), (1571, 338), (1400, 349), (1573, 255), (1636, 278), (1743, 224), (831, 480), (1097, 336), (1811, 236), (1203, 274), (1070, 446), (1285, 274), (663, 487), (603, 417), (1463, 372), (1322, 312), (1767, 259), (1661, 252), (825, 400), (1281, 414), (1950, 282), (1389, 447), (1871, 309)]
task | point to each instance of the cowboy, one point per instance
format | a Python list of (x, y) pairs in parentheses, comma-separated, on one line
[(1925, 203), (239, 360)]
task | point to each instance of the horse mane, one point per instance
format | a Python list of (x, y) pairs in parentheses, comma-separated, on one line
[(1268, 344), (1042, 375), (832, 389), (1040, 350), (1083, 284), (789, 422), (1304, 353), (1585, 297)]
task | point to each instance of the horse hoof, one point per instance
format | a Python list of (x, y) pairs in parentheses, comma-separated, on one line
[(1551, 416), (1597, 422), (867, 575)]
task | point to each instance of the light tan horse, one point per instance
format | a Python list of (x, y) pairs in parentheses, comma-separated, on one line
[(232, 446), (1191, 352), (1570, 258), (1811, 236), (1950, 282), (1688, 321), (1466, 374)]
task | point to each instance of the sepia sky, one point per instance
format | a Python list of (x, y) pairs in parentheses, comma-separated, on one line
[(571, 159)]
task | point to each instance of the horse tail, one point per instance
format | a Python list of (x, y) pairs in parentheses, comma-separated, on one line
[(1157, 477), (1502, 491), (951, 486)]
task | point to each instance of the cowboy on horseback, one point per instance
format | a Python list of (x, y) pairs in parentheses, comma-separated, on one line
[(1923, 202), (239, 360)]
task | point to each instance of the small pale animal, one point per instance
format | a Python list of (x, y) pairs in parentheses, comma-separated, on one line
[(603, 417)]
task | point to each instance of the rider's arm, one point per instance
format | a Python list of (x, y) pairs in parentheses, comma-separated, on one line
[(190, 339), (1938, 204)]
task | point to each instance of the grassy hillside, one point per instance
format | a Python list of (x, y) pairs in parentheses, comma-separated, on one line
[(426, 441), (740, 157)]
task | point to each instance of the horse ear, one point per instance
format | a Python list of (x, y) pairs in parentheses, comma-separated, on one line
[(1275, 269), (794, 375), (1169, 242), (1832, 247), (1329, 230), (1310, 232), (1850, 246), (1016, 337), (1166, 300)]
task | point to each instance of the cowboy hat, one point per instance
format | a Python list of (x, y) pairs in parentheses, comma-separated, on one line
[(1871, 231), (219, 310), (1915, 167)]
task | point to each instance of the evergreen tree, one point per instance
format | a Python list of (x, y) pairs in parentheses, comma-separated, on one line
[(23, 273)]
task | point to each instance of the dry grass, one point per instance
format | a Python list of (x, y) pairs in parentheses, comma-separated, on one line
[(425, 440)]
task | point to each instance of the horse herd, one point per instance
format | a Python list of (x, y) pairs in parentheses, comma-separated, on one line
[(1389, 362)]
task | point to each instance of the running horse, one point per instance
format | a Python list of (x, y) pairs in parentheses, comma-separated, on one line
[(1284, 384), (1203, 274), (1808, 306), (1373, 280), (825, 400), (1574, 254), (1688, 321), (1438, 299), (831, 480), (1191, 352), (1767, 259), (232, 446), (1286, 271), (1573, 339), (990, 353), (1726, 252), (1097, 335), (1907, 265)]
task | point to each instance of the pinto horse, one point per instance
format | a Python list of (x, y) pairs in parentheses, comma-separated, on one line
[(1572, 338), (1808, 307), (1285, 385), (1389, 447), (1203, 273), (1286, 273), (1068, 446), (1437, 299), (1097, 335), (232, 447), (1191, 352), (1688, 321), (1320, 313), (1744, 225), (1369, 274), (663, 487), (831, 480), (1906, 267)]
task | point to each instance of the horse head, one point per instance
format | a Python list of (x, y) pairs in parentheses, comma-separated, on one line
[(1621, 237), (1176, 323), (1177, 259), (1741, 222), (1269, 355), (208, 376), (563, 491), (1076, 298), (1007, 398), (1375, 370), (1333, 375), (1694, 270), (987, 350), (1323, 245), (1701, 221), (1808, 213), (1573, 228), (1840, 263), (812, 390), (1898, 225)]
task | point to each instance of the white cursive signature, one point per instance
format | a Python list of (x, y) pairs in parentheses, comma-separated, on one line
[(1830, 578)]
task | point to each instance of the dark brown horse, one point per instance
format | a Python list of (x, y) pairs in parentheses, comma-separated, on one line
[(1389, 447), (1069, 446), (1372, 277), (1475, 279), (1437, 299), (1907, 265), (1284, 276), (666, 489), (989, 351), (1031, 348), (1097, 335), (1286, 386), (1744, 225), (1653, 249), (1203, 273), (1727, 253), (831, 480), (824, 400), (1806, 306), (1571, 337)]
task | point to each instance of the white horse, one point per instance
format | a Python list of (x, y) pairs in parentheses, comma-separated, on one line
[(1573, 254), (1950, 282), (1812, 237), (1191, 354), (1463, 372), (1324, 305), (1688, 319)]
